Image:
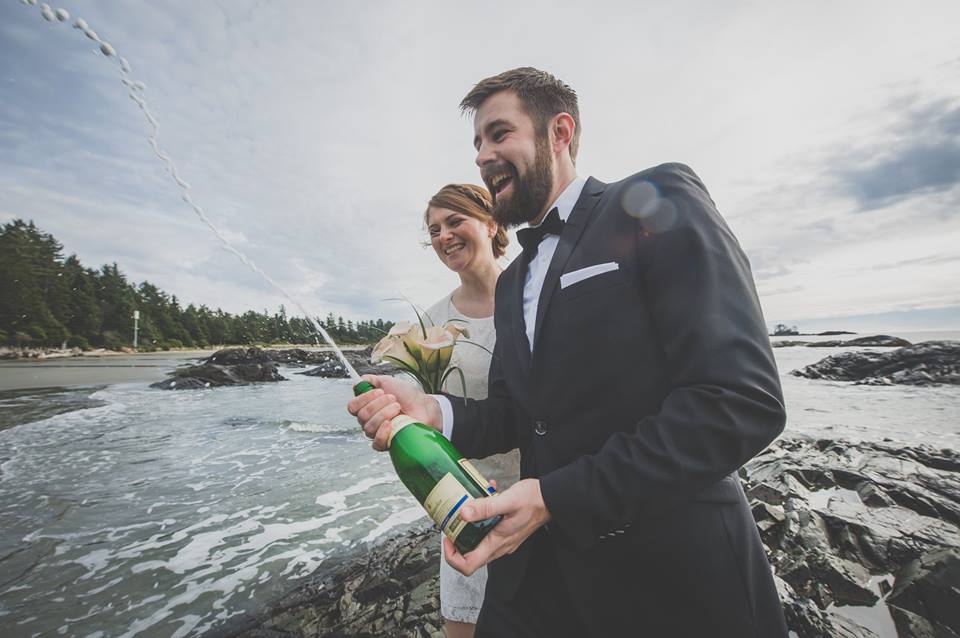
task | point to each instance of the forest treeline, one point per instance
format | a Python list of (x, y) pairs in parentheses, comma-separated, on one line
[(48, 300)]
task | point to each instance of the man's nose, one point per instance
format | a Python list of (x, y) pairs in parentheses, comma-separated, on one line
[(484, 155)]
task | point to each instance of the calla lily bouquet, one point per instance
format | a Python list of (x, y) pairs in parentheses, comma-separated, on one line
[(422, 351)]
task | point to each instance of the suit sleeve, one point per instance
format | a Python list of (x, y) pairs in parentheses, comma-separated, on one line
[(485, 427), (724, 403)]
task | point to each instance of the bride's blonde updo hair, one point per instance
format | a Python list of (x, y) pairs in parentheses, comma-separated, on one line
[(473, 201)]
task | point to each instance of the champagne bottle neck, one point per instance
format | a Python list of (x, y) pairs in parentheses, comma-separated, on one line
[(397, 423)]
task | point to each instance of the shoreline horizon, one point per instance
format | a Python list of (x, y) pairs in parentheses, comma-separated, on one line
[(108, 368)]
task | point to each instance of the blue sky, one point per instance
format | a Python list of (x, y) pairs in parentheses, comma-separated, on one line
[(313, 133)]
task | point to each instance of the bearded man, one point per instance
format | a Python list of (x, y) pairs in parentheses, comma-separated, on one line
[(633, 371)]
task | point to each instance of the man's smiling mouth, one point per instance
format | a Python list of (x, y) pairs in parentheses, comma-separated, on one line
[(500, 182)]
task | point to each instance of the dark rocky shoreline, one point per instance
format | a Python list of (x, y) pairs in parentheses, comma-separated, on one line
[(871, 526), (242, 366)]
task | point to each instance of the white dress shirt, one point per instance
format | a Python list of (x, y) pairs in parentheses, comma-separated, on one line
[(537, 269), (533, 284)]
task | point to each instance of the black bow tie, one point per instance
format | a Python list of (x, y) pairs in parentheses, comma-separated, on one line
[(530, 238)]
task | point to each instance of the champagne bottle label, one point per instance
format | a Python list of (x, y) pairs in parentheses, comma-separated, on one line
[(476, 476), (443, 505), (398, 423)]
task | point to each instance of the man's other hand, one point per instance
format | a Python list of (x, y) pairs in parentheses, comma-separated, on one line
[(523, 511)]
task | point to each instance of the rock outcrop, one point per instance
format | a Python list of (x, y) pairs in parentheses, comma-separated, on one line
[(288, 357), (843, 520), (387, 590), (330, 366), (927, 363), (231, 366)]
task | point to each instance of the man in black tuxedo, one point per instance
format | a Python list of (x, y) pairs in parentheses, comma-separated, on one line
[(633, 371)]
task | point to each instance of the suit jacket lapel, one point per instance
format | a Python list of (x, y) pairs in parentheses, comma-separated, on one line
[(572, 231), (517, 322)]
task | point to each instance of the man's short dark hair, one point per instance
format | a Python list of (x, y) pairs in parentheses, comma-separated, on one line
[(542, 96)]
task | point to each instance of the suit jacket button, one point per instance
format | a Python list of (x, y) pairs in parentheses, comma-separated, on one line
[(540, 428)]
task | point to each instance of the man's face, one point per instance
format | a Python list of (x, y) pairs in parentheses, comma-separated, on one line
[(515, 163)]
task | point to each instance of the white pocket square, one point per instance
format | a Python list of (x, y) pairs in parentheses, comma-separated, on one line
[(570, 278)]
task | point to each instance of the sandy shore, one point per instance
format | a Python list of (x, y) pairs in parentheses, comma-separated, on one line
[(22, 374)]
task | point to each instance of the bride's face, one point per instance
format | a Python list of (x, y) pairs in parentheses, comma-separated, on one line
[(460, 241)]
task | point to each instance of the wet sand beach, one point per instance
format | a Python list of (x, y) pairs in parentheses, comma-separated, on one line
[(107, 368)]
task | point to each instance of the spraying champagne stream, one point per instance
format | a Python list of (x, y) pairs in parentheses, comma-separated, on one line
[(136, 94)]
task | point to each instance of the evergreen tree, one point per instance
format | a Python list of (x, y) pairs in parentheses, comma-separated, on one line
[(82, 317), (32, 288), (117, 303), (195, 326)]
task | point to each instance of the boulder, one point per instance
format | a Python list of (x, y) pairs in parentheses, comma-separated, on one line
[(878, 341), (927, 363), (232, 366), (929, 587)]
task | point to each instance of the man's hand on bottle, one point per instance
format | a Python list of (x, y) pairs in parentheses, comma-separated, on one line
[(523, 511), (389, 398)]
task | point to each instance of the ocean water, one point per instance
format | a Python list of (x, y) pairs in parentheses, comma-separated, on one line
[(127, 511), (158, 513), (914, 415)]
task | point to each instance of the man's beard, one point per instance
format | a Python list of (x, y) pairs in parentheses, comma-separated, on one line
[(530, 192)]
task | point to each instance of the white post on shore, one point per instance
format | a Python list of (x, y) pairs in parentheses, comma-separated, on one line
[(136, 319)]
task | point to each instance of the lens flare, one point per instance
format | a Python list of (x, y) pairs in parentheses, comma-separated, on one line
[(642, 201)]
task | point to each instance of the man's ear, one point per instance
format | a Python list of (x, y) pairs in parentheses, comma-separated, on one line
[(562, 128)]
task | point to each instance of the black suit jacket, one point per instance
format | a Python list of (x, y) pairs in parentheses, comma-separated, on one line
[(647, 388)]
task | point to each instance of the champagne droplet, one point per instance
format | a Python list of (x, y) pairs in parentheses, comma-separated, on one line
[(124, 65), (80, 24), (90, 33), (47, 13), (107, 49), (62, 15)]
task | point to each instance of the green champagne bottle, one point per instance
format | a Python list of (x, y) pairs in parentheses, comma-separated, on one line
[(438, 476)]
